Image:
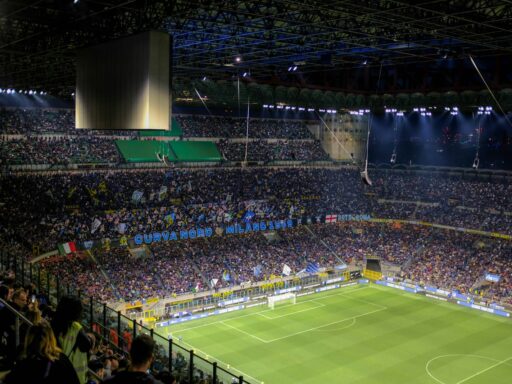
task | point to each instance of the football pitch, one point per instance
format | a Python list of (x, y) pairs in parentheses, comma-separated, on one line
[(359, 335)]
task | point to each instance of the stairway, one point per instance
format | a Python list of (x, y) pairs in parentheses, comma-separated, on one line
[(100, 267)]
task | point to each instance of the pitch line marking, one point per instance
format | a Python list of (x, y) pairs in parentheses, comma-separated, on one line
[(231, 368), (337, 329), (323, 326), (427, 365), (244, 332), (344, 293), (485, 370), (293, 313)]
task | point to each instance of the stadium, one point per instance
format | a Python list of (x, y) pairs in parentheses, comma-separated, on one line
[(258, 192)]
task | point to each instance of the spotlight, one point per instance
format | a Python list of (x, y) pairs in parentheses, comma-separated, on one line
[(289, 69), (204, 78), (238, 59), (294, 68), (311, 109), (245, 74), (476, 162), (365, 61), (393, 158), (302, 109)]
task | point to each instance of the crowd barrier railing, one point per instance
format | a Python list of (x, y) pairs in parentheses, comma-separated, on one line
[(114, 327)]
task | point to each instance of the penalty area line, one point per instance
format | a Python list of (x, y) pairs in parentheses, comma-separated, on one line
[(484, 370)]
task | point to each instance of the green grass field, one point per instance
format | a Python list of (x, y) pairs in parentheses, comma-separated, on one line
[(357, 335)]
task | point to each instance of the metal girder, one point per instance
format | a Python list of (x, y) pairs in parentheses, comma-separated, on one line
[(39, 39)]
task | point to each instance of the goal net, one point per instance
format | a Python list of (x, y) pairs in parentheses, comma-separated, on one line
[(285, 297)]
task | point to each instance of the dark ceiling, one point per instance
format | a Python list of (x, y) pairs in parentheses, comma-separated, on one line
[(330, 42)]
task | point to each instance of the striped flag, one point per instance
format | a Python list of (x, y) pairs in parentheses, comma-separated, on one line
[(67, 248), (330, 218), (312, 268)]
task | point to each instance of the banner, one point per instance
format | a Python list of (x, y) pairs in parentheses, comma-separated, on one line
[(137, 196), (257, 270), (121, 228), (286, 270)]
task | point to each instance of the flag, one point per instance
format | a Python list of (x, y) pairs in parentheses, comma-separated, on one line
[(71, 192), (249, 215), (312, 267), (137, 196), (226, 276), (162, 192), (169, 219), (95, 225), (330, 218), (88, 244), (123, 241), (67, 248), (102, 187), (121, 228), (286, 270), (214, 282), (197, 287), (257, 270)]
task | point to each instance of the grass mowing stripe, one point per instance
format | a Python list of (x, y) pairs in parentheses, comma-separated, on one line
[(391, 345)]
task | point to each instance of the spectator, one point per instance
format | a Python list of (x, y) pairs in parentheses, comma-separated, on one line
[(73, 340), (43, 361), (142, 356)]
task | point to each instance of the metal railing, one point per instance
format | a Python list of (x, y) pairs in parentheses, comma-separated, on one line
[(19, 318), (114, 327)]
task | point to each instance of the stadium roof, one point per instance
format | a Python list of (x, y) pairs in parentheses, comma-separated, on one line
[(39, 38)]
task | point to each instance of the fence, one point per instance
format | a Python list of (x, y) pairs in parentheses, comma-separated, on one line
[(118, 330)]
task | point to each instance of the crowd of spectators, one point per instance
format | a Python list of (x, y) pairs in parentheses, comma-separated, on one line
[(48, 136), (41, 210), (57, 208), (61, 346), (234, 127), (36, 120), (60, 150), (442, 258), (261, 150)]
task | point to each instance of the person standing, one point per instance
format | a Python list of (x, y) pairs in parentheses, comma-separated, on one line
[(72, 339)]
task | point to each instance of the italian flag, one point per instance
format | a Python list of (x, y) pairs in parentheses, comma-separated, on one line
[(66, 248)]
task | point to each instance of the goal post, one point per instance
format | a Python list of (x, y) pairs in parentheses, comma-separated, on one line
[(288, 297)]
